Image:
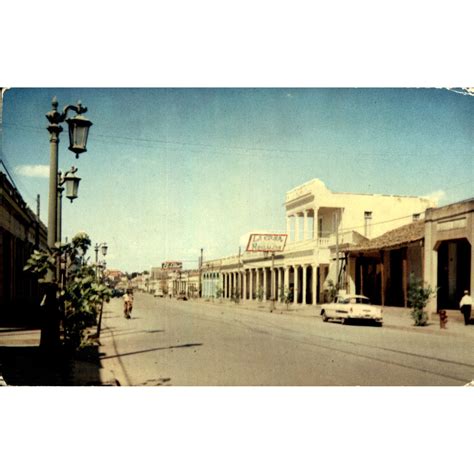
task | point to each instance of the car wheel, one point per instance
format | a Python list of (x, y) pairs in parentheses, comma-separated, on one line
[(325, 318)]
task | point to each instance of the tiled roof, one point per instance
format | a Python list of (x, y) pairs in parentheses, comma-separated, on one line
[(394, 238)]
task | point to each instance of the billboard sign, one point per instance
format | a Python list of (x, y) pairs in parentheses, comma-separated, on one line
[(266, 242), (172, 266)]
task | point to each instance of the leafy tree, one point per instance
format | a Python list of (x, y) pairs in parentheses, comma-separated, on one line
[(77, 299), (418, 297)]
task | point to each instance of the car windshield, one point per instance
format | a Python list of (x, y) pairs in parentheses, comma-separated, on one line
[(356, 300)]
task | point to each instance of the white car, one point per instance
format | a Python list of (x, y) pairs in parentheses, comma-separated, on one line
[(347, 307)]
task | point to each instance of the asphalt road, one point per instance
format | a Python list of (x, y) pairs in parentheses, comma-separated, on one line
[(186, 343)]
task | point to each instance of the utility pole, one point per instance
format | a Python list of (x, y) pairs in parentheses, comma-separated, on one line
[(337, 252), (272, 281), (238, 280), (37, 227), (200, 274)]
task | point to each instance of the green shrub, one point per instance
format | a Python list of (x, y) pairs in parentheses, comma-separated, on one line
[(81, 294), (418, 297)]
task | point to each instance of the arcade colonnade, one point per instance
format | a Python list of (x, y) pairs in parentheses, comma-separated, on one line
[(299, 282)]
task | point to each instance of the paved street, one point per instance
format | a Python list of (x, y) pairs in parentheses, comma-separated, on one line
[(169, 342)]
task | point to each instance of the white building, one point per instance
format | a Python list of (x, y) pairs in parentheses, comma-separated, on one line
[(316, 219)]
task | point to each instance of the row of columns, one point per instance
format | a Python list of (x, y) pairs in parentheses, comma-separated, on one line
[(247, 283), (307, 235)]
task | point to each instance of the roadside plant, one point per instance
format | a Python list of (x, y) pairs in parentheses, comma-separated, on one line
[(80, 294), (418, 296), (330, 291), (285, 296), (235, 296), (219, 292)]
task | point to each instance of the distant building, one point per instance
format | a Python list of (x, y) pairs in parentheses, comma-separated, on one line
[(317, 219), (114, 276)]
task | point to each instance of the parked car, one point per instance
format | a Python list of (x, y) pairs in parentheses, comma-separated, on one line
[(182, 296), (117, 293), (346, 307), (159, 294)]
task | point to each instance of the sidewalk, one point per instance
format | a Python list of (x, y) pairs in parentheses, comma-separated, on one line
[(394, 317), (23, 364)]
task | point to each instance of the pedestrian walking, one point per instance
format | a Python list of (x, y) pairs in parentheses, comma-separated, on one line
[(128, 304), (465, 305)]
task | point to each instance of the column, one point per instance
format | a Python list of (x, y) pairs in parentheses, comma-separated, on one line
[(315, 224), (251, 284), (245, 285), (257, 280), (264, 284), (314, 283), (305, 271), (277, 284), (296, 286), (274, 283), (305, 225), (297, 227), (286, 282)]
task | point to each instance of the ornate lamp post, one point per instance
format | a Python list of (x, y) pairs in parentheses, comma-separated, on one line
[(78, 133), (103, 246), (71, 181)]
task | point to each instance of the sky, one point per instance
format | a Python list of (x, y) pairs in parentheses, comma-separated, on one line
[(171, 171)]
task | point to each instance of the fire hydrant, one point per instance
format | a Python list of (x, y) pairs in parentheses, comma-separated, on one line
[(443, 319)]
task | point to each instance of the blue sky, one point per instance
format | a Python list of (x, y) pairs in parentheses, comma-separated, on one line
[(169, 171)]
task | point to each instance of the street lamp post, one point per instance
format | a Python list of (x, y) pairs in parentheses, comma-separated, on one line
[(78, 133), (71, 181), (103, 247)]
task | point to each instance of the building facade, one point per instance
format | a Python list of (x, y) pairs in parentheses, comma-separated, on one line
[(317, 219), (448, 256), (21, 232)]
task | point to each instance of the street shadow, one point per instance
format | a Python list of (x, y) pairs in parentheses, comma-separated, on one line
[(181, 346), (362, 322), (32, 366)]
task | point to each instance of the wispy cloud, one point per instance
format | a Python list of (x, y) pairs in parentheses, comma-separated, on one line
[(436, 196), (33, 171)]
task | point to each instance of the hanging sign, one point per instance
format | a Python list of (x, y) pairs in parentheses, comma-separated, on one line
[(266, 242)]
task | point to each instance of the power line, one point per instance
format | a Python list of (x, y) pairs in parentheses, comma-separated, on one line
[(8, 173), (148, 142)]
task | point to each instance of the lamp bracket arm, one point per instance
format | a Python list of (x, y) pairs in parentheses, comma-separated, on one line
[(79, 109), (55, 117)]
